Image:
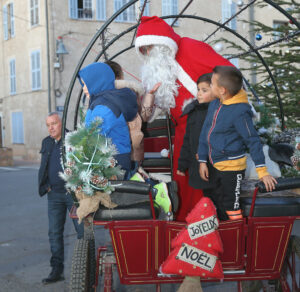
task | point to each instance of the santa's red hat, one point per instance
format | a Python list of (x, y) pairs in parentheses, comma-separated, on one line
[(155, 31), (194, 57)]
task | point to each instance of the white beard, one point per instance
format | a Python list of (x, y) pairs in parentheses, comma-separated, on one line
[(161, 66)]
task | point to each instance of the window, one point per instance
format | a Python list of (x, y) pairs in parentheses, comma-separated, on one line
[(5, 22), (228, 10), (81, 9), (235, 62), (101, 9), (169, 7), (35, 70), (8, 21), (279, 29), (128, 15), (146, 10), (12, 19), (12, 74), (17, 128), (34, 12)]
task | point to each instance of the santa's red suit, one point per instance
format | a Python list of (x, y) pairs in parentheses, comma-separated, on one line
[(194, 58)]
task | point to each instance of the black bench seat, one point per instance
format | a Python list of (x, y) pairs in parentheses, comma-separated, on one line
[(133, 202), (284, 202)]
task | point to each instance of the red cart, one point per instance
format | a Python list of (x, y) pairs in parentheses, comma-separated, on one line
[(255, 248)]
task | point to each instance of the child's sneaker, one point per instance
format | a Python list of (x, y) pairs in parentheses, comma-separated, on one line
[(137, 177), (162, 198)]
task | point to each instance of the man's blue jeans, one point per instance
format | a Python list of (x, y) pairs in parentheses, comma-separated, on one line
[(58, 204)]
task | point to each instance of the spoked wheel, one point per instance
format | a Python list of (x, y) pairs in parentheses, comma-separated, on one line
[(83, 266)]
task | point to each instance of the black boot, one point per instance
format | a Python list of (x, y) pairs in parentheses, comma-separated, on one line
[(55, 276), (173, 190)]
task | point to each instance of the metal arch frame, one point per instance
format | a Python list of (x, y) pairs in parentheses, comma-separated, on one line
[(222, 25), (83, 57)]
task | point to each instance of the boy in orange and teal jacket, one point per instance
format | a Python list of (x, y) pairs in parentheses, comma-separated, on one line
[(226, 134)]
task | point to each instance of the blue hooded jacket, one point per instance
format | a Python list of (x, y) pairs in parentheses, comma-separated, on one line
[(115, 106)]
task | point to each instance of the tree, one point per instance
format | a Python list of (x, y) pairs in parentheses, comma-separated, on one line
[(282, 56)]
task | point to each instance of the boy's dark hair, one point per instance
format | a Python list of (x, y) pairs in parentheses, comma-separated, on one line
[(117, 69), (229, 77), (205, 78)]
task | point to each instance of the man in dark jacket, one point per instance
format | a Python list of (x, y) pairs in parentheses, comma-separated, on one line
[(59, 200)]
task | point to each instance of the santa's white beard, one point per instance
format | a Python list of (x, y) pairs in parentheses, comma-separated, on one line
[(161, 66)]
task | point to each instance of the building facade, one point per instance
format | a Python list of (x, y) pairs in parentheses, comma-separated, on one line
[(42, 41)]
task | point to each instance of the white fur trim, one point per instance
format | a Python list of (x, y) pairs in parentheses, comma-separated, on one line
[(136, 87), (148, 40), (187, 81)]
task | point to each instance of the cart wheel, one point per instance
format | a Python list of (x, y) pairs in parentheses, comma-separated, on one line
[(81, 264), (92, 263)]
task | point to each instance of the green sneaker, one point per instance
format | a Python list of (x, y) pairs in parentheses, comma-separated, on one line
[(162, 198), (137, 177)]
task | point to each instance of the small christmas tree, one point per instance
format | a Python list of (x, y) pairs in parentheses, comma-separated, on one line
[(89, 166), (89, 160)]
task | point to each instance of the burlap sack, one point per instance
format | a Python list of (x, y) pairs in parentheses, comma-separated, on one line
[(90, 204)]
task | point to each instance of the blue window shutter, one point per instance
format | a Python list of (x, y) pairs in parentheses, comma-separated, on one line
[(12, 67), (175, 7), (14, 122), (117, 6), (233, 11), (5, 26), (35, 70), (73, 9), (146, 11), (17, 128), (226, 10), (33, 66), (12, 20), (130, 12), (175, 10), (101, 10), (38, 70), (34, 12), (169, 7), (164, 7)]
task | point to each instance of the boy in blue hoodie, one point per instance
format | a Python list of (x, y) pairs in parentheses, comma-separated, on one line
[(114, 106), (226, 134)]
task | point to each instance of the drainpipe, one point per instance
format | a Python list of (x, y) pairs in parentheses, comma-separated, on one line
[(48, 56)]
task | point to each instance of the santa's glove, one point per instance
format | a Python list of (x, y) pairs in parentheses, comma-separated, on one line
[(190, 284)]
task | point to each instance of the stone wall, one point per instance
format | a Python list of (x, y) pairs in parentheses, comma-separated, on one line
[(6, 157)]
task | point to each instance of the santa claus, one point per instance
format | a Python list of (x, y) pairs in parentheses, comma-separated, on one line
[(172, 64)]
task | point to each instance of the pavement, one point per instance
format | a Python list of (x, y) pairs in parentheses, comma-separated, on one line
[(21, 162)]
